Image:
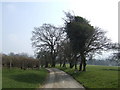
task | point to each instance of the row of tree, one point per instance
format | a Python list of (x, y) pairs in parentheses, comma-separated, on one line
[(22, 61), (74, 43)]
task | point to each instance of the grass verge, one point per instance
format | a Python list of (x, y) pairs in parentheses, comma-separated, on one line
[(17, 78), (0, 78), (96, 76)]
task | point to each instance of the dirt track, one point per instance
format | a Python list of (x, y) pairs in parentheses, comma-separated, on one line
[(60, 79)]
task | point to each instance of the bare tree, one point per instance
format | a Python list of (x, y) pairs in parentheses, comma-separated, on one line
[(47, 37)]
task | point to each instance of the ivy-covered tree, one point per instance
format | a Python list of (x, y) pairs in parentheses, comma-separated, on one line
[(84, 38)]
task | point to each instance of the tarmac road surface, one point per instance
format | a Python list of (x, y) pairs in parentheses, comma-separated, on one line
[(60, 79)]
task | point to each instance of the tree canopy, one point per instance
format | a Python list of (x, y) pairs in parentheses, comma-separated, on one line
[(46, 38), (84, 38), (73, 43)]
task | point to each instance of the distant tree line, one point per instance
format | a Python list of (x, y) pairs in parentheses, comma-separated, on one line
[(106, 62), (22, 61), (116, 54)]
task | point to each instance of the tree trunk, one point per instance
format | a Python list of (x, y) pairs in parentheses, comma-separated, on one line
[(71, 65), (71, 62), (53, 64), (46, 64), (53, 61), (41, 65), (64, 63), (60, 63), (82, 63), (80, 67), (53, 58), (75, 63)]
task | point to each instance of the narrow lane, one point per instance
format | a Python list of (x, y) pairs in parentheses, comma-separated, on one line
[(60, 79)]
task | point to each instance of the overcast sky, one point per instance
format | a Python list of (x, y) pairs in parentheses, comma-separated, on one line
[(18, 19)]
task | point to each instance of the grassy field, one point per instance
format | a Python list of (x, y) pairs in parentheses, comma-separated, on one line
[(17, 78), (0, 78), (96, 76)]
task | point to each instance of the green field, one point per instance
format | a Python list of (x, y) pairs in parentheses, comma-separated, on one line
[(0, 78), (96, 76), (17, 78)]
